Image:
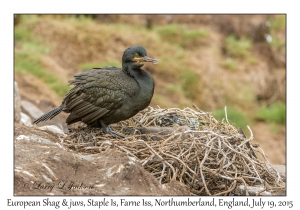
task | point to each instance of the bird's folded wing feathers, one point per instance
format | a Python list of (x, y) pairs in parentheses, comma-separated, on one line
[(95, 95)]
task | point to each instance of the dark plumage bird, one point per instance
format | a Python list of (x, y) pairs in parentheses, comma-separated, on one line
[(102, 96)]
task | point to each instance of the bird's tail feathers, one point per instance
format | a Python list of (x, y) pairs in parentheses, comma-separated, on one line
[(49, 115)]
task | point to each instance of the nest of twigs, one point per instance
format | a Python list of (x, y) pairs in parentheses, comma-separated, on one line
[(188, 145)]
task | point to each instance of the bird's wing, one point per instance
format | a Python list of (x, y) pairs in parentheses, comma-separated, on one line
[(97, 93)]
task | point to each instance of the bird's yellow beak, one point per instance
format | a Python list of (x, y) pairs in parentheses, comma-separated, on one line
[(145, 59)]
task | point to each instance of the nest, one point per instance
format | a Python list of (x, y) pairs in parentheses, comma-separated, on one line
[(210, 157)]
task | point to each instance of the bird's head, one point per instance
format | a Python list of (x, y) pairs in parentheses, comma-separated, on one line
[(136, 56)]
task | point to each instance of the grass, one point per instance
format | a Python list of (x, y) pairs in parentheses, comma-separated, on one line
[(28, 50), (25, 18), (22, 33), (190, 84), (277, 24), (230, 64), (237, 48), (277, 43), (27, 65), (174, 89), (171, 64), (275, 113), (180, 35), (234, 117)]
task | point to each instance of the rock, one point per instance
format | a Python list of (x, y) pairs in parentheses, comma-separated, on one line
[(33, 111), (44, 167), (281, 170), (25, 119), (17, 111), (251, 190), (35, 138), (53, 129)]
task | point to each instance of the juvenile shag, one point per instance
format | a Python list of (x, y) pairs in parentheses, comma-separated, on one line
[(102, 96)]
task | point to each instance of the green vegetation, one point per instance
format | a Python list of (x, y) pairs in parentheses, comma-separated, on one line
[(190, 84), (277, 24), (28, 65), (28, 52), (234, 116), (26, 43), (170, 63), (22, 33), (275, 113), (171, 88), (180, 35), (26, 19), (230, 64), (237, 48), (277, 43)]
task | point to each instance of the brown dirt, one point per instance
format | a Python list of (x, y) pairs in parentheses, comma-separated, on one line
[(274, 144)]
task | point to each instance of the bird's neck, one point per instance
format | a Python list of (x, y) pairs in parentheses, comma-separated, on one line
[(143, 78), (132, 70)]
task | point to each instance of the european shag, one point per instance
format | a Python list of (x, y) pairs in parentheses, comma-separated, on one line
[(102, 96)]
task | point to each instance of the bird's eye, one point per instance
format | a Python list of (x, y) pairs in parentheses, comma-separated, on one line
[(136, 55)]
